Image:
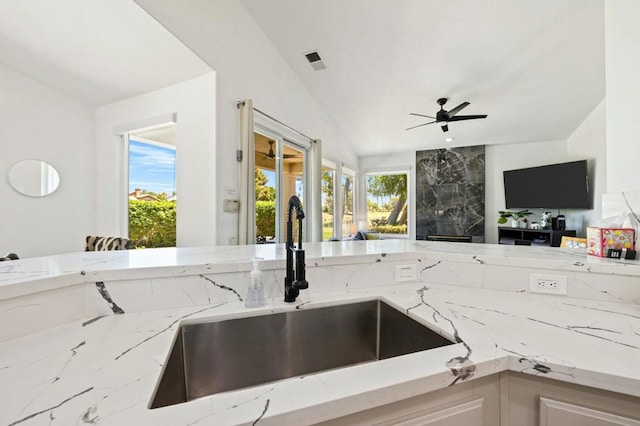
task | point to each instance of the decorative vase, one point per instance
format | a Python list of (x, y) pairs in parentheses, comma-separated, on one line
[(515, 223)]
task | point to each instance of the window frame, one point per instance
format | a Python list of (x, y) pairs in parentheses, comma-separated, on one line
[(409, 206), (327, 164), (126, 139), (345, 171)]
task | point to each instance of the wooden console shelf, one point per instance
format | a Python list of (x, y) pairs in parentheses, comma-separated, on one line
[(532, 237)]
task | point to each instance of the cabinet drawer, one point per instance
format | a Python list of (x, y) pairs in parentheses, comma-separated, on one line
[(558, 413)]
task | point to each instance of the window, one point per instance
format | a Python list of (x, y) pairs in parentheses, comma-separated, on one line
[(328, 202), (265, 187), (279, 174), (293, 183), (152, 194), (348, 200), (387, 207)]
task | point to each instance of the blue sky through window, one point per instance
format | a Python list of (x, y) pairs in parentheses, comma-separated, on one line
[(152, 167), (271, 177)]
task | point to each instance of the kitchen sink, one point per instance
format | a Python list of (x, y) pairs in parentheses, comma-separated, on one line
[(218, 356)]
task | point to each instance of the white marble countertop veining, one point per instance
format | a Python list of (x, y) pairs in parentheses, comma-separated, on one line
[(32, 275), (104, 370)]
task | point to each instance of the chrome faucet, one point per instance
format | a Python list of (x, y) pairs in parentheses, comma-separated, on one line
[(293, 285)]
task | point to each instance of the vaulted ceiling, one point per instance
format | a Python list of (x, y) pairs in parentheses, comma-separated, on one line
[(535, 67), (96, 51)]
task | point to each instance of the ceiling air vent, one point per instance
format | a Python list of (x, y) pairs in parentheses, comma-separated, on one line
[(315, 60)]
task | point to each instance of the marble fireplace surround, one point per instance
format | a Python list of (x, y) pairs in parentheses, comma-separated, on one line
[(450, 192), (84, 335)]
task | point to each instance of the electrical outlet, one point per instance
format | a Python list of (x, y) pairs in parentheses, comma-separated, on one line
[(548, 284), (406, 273)]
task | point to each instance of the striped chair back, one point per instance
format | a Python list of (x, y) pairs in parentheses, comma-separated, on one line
[(95, 243)]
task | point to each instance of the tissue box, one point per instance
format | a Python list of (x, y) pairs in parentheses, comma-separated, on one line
[(600, 240)]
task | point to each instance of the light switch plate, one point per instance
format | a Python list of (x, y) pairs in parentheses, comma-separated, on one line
[(230, 205), (406, 273)]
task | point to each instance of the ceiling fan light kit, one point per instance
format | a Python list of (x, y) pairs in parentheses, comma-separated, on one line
[(444, 117)]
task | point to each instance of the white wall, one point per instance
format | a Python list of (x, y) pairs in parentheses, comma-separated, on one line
[(247, 65), (588, 142), (622, 33), (41, 123), (194, 103), (499, 158)]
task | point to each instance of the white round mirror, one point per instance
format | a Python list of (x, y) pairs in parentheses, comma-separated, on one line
[(33, 178)]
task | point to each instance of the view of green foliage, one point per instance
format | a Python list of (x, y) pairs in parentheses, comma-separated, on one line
[(152, 224), (328, 178), (327, 203), (263, 193), (394, 187), (265, 205), (381, 185), (327, 191), (389, 229), (347, 194), (266, 218)]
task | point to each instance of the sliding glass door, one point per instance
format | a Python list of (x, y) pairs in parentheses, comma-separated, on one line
[(280, 172)]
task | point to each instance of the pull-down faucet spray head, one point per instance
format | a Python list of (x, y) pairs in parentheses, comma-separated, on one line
[(292, 286)]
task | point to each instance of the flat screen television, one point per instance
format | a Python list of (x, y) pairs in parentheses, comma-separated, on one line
[(554, 186)]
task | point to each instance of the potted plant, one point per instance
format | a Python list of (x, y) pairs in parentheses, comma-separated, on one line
[(516, 217), (522, 218), (504, 216)]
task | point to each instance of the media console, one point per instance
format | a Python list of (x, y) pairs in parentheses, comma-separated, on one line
[(532, 237)]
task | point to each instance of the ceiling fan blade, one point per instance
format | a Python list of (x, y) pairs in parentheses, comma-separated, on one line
[(458, 109), (265, 155), (421, 115), (445, 128), (466, 117), (420, 125)]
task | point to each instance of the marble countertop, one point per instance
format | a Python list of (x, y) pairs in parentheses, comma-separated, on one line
[(32, 275), (104, 370)]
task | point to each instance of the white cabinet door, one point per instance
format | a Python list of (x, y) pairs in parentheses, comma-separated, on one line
[(467, 413), (556, 413)]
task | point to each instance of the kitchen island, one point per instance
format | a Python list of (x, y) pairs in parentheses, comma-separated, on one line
[(85, 335)]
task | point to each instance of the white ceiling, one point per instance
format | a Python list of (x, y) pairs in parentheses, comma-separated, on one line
[(536, 67), (98, 51)]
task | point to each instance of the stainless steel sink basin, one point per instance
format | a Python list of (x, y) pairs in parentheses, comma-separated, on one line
[(212, 357)]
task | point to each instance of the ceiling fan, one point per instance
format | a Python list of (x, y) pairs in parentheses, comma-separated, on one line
[(271, 155), (444, 117)]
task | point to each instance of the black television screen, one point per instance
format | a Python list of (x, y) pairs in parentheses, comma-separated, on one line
[(555, 186)]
